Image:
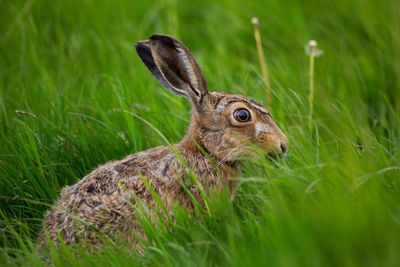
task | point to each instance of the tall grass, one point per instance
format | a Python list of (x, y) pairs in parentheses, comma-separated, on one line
[(70, 71)]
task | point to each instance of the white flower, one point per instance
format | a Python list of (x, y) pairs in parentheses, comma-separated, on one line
[(312, 45), (255, 21)]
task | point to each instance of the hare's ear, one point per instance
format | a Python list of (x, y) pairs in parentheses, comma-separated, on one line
[(143, 50), (173, 66)]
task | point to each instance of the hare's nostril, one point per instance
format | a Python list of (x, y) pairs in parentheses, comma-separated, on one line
[(284, 148)]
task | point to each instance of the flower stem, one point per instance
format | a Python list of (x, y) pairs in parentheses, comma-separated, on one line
[(313, 48), (261, 58)]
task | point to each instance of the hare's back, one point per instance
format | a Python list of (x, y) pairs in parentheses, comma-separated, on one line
[(117, 177)]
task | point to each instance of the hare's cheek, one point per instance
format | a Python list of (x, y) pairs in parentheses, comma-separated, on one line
[(234, 138)]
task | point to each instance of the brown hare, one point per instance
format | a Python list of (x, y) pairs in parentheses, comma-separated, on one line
[(223, 126)]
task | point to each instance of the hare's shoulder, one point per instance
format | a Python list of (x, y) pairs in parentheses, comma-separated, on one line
[(143, 162)]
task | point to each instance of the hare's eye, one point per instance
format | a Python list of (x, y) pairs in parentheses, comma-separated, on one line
[(241, 115)]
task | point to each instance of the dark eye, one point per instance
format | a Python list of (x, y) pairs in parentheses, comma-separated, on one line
[(241, 115)]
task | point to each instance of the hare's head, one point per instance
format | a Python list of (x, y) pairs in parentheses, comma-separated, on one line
[(223, 124)]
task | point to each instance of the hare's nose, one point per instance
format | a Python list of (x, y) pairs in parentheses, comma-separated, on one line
[(284, 147)]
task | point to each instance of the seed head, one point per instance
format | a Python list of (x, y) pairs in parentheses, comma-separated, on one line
[(255, 21), (312, 43)]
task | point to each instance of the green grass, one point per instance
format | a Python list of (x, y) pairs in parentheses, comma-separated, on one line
[(71, 67)]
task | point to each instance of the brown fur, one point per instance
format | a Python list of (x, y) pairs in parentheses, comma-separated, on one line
[(103, 199)]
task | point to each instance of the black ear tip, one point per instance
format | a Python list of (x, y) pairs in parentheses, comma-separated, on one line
[(142, 47), (166, 40), (157, 36), (144, 43), (139, 46)]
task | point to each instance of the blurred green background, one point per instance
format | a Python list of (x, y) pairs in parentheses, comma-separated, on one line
[(70, 76)]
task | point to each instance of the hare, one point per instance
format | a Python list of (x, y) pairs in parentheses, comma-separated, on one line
[(223, 126)]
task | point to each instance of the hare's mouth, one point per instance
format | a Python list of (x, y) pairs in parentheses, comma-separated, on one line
[(275, 155), (280, 152), (271, 155)]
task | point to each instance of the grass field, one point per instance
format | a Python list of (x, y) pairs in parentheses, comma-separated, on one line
[(70, 77)]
